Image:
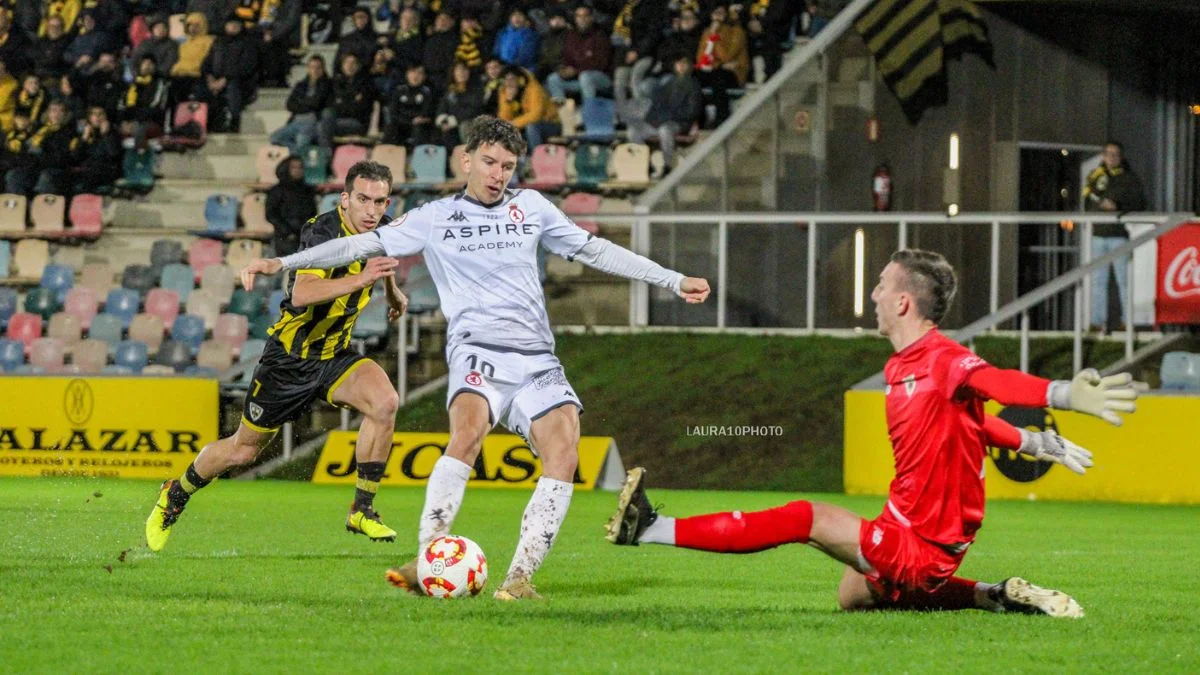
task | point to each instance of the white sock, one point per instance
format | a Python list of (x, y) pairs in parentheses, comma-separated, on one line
[(982, 599), (443, 497), (539, 526), (661, 531)]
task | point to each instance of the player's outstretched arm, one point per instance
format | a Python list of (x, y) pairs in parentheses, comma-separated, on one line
[(1088, 392), (330, 254), (608, 257), (1045, 445)]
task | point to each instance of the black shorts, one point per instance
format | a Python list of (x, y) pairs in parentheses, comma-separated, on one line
[(284, 386)]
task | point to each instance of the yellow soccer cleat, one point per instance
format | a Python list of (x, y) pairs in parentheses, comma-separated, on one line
[(164, 515), (520, 589), (367, 522), (405, 577)]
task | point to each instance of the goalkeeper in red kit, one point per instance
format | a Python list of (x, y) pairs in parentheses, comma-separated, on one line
[(935, 388)]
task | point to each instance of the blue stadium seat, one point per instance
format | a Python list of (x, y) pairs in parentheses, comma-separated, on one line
[(138, 278), (599, 120), (329, 202), (251, 350), (422, 294), (189, 329), (373, 321), (106, 328), (58, 278), (116, 370), (5, 258), (131, 354), (174, 354), (43, 302), (12, 355), (8, 304), (274, 301), (1180, 371), (122, 303), (316, 165), (197, 371), (164, 252), (139, 170), (179, 278), (221, 213), (428, 164)]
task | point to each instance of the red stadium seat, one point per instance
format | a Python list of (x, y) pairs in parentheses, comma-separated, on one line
[(187, 112), (232, 329), (344, 157), (86, 215), (582, 204), (81, 303), (202, 253), (24, 328), (549, 167), (163, 303), (47, 353)]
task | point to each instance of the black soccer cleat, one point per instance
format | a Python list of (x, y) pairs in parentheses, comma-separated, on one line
[(634, 511), (1014, 594)]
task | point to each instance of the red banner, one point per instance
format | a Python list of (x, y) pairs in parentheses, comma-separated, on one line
[(1178, 297)]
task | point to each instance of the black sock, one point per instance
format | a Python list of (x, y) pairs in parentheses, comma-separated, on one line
[(369, 474), (186, 486)]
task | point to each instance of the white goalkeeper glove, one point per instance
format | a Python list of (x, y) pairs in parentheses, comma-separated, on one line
[(1050, 447), (1089, 393)]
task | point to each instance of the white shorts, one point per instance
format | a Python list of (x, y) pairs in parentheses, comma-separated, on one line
[(519, 388)]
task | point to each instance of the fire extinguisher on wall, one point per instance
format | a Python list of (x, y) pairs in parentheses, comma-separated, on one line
[(881, 188)]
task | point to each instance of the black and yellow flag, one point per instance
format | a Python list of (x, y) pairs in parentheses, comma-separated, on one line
[(911, 40)]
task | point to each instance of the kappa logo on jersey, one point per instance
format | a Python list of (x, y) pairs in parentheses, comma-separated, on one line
[(458, 217), (474, 379), (256, 411), (970, 362), (515, 214)]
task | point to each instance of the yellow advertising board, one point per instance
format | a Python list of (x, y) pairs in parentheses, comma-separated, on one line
[(506, 461), (104, 426), (1150, 459)]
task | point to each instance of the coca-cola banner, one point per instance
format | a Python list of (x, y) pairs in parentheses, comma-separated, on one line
[(1178, 299)]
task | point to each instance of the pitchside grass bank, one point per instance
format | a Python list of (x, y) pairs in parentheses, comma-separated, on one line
[(262, 577)]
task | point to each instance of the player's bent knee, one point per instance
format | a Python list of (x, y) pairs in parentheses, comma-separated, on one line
[(384, 405), (244, 454)]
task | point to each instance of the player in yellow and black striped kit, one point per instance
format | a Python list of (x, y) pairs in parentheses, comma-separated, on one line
[(307, 357)]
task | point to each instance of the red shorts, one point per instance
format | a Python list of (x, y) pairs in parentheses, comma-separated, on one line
[(902, 561)]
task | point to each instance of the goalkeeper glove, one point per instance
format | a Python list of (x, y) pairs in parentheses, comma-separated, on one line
[(1089, 393), (1049, 446)]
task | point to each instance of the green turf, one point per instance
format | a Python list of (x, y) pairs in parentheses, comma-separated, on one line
[(261, 577)]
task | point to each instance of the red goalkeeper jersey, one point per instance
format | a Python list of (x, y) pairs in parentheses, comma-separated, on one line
[(936, 427)]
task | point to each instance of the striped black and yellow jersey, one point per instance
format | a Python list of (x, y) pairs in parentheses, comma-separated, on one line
[(320, 331)]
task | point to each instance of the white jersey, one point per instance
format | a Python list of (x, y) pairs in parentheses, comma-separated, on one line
[(483, 261)]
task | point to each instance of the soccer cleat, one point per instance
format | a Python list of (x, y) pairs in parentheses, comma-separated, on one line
[(1014, 594), (634, 511), (405, 577), (520, 589), (162, 517), (367, 522)]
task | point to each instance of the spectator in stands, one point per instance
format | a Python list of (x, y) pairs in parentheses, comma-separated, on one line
[(48, 52), (76, 108), (215, 11), (112, 17), (721, 60), (16, 162), (517, 44), (103, 85), (290, 203), (67, 10), (637, 31), (411, 110), (1115, 188), (820, 13), (31, 99), (493, 80), (159, 45), (552, 41), (145, 104), (361, 41), (89, 44), (681, 39), (280, 30), (230, 77), (352, 102), (767, 27), (193, 52), (249, 12), (307, 102), (8, 97), (440, 47), (461, 104), (674, 108), (49, 154), (525, 103), (473, 44), (97, 154), (14, 48), (407, 46), (586, 58)]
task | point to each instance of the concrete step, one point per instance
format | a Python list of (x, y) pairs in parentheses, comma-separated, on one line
[(234, 144), (259, 121), (205, 165), (270, 98), (176, 190), (185, 214)]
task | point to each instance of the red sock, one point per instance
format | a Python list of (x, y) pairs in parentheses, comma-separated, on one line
[(739, 532), (956, 593)]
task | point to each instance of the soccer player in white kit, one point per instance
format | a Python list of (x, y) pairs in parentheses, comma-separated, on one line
[(480, 246)]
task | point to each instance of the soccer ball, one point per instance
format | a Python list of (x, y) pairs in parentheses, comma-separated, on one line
[(452, 567)]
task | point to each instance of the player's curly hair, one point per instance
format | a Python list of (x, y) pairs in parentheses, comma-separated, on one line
[(930, 279), (487, 129), (368, 170)]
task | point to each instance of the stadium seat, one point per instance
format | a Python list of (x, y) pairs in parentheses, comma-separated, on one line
[(316, 165), (186, 113), (138, 278), (215, 355), (65, 327), (30, 258), (24, 328), (582, 204), (218, 281), (97, 276), (591, 165), (87, 215), (47, 353), (428, 163), (344, 157), (373, 321), (131, 354), (274, 302), (568, 117), (147, 328), (58, 278), (12, 213), (245, 303), (329, 202), (254, 213), (91, 356), (8, 304), (240, 253), (164, 252), (179, 278), (5, 258), (175, 355), (107, 328), (394, 157), (205, 305), (122, 303), (599, 120), (259, 325), (251, 350), (631, 164), (81, 303), (232, 329), (42, 301), (201, 254), (48, 214), (189, 330), (549, 166), (221, 213), (421, 292), (12, 355), (157, 370), (266, 161), (116, 370), (138, 170), (163, 303), (1180, 371), (417, 199)]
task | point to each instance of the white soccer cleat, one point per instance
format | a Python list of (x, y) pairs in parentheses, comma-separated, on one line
[(1018, 595)]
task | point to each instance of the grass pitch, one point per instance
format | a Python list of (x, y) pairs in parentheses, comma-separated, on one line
[(262, 577)]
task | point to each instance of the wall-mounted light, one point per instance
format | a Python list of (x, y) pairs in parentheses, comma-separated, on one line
[(953, 151), (952, 210), (860, 242)]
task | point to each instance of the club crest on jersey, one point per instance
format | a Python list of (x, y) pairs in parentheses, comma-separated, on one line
[(474, 379), (876, 536), (458, 217), (256, 411), (515, 214), (910, 384)]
